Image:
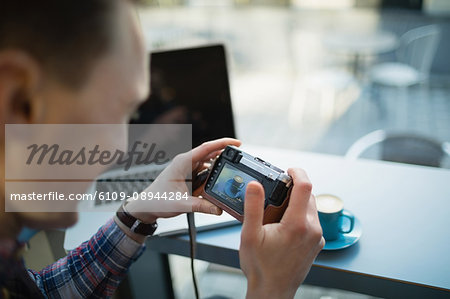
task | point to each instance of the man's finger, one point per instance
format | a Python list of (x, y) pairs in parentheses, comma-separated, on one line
[(204, 150), (253, 210), (313, 210), (300, 196), (203, 206)]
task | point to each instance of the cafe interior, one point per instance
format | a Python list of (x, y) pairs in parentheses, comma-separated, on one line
[(359, 80)]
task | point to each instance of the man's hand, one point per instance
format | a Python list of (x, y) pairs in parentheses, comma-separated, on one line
[(173, 179), (277, 257)]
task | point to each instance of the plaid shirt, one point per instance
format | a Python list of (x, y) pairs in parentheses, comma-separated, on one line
[(92, 270)]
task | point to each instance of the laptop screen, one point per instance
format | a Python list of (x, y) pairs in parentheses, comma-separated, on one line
[(190, 86)]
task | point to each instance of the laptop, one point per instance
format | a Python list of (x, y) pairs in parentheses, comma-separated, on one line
[(188, 86)]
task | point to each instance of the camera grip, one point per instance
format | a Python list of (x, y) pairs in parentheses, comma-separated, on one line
[(272, 213)]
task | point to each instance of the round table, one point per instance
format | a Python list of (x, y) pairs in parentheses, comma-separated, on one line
[(359, 44)]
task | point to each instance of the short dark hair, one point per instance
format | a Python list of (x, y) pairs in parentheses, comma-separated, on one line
[(65, 36)]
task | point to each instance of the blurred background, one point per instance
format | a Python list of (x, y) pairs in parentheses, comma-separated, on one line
[(306, 74), (341, 77)]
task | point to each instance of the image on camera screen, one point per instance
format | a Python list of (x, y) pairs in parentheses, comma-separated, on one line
[(231, 184)]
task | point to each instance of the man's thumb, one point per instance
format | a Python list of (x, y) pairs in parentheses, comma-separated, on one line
[(253, 208)]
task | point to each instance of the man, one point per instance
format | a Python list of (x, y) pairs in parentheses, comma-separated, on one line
[(83, 62)]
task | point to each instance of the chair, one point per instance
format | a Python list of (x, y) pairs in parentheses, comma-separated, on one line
[(415, 54), (322, 96), (402, 148)]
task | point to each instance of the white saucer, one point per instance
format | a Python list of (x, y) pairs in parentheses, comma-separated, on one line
[(345, 240)]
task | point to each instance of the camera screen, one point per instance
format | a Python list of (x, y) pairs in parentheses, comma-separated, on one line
[(231, 185)]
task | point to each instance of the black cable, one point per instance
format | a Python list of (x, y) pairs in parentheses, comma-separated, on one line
[(192, 243)]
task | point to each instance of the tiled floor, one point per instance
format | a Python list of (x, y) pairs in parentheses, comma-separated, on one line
[(427, 113), (289, 90)]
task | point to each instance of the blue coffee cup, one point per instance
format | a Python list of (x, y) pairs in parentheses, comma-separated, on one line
[(332, 216), (236, 184)]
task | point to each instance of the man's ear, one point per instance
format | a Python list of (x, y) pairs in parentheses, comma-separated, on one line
[(19, 81)]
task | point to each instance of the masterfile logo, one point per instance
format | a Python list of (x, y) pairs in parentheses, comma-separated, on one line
[(51, 167), (141, 153)]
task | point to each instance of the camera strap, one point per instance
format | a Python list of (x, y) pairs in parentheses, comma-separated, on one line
[(193, 245)]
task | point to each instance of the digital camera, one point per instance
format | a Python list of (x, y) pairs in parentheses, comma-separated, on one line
[(225, 182)]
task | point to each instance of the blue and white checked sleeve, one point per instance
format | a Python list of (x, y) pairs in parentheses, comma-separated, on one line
[(94, 269)]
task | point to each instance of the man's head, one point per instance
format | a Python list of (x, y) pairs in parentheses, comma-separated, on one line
[(65, 37), (69, 62)]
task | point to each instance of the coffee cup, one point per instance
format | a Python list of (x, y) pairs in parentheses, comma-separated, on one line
[(236, 184), (331, 216)]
